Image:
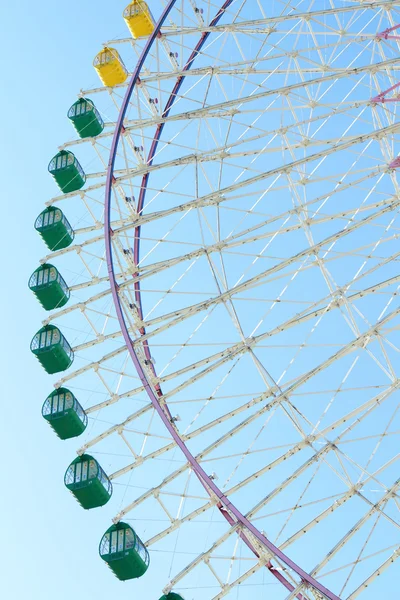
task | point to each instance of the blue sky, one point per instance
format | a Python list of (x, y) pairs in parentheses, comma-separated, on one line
[(51, 544)]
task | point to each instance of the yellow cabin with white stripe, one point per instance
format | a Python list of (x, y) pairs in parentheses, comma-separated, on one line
[(138, 17), (110, 67)]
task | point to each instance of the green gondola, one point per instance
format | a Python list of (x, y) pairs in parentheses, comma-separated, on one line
[(67, 172), (54, 228), (124, 552), (52, 349), (171, 596), (88, 482), (86, 118), (64, 413), (49, 287)]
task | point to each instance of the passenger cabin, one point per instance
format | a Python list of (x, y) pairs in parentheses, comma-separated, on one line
[(124, 552), (138, 17), (49, 287), (88, 482), (109, 67), (64, 414), (171, 596), (86, 118), (67, 172), (54, 228), (52, 349)]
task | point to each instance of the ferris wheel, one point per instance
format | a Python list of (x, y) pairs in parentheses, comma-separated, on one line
[(222, 282)]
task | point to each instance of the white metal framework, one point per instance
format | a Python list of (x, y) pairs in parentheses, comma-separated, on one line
[(269, 278)]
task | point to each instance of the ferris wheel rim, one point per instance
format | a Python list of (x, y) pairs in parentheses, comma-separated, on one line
[(224, 504)]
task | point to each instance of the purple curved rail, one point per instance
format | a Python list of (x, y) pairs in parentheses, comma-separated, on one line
[(224, 504)]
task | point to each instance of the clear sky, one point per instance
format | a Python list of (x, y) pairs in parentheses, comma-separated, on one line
[(48, 50), (50, 545)]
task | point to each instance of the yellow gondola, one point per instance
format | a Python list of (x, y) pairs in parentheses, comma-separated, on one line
[(109, 67), (138, 17)]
